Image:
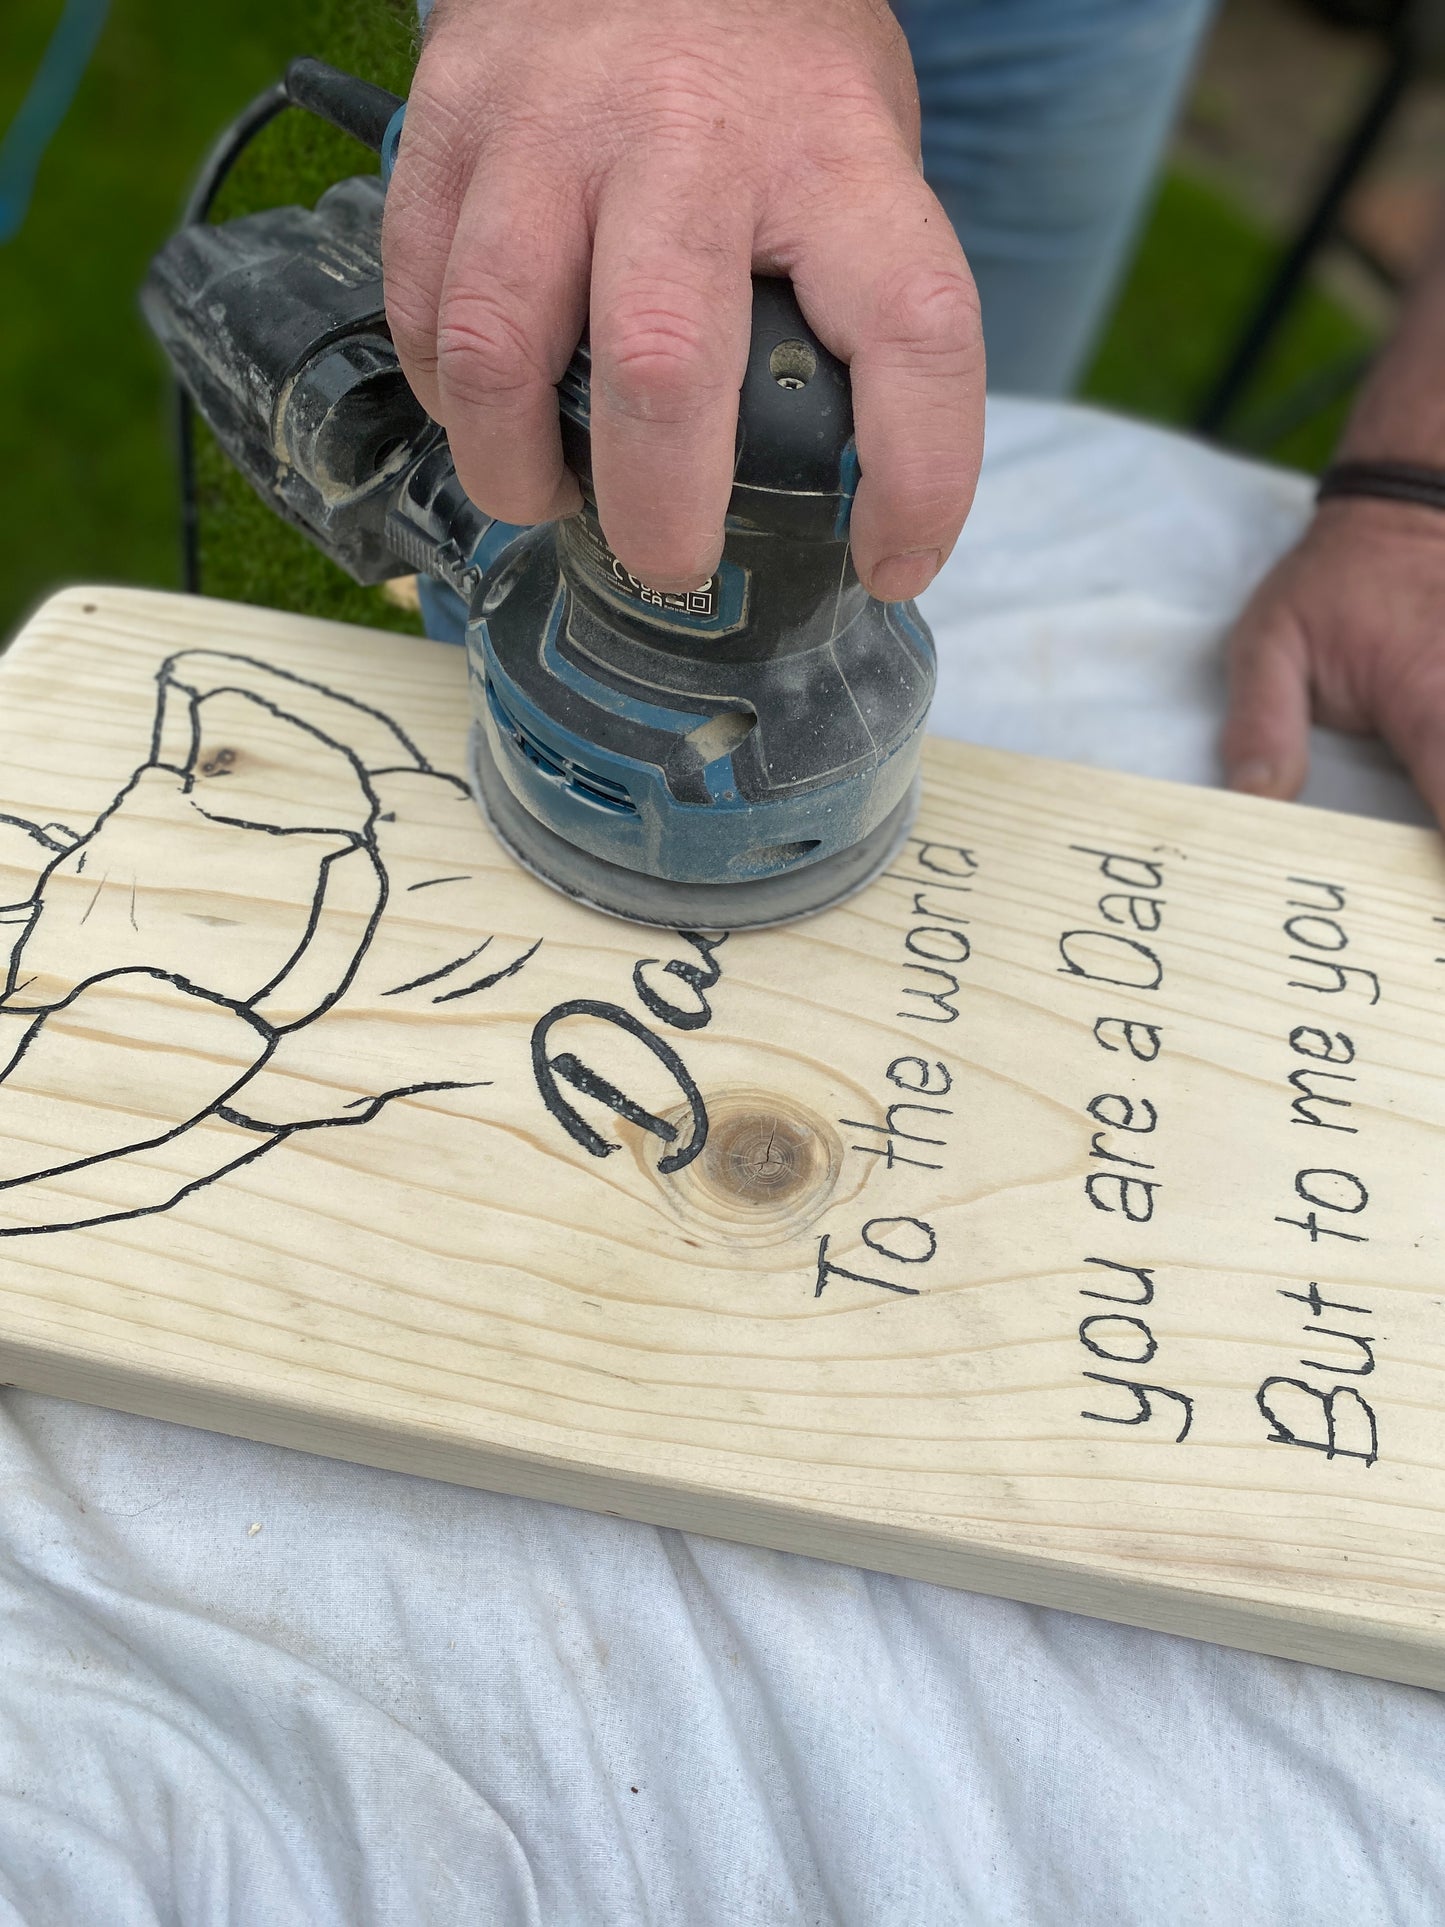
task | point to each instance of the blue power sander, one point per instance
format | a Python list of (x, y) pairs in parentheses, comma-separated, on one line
[(738, 755)]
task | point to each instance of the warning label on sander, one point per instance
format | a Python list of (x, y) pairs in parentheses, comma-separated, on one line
[(701, 603)]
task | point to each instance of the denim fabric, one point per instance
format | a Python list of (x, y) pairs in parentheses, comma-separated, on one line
[(1043, 122), (443, 613)]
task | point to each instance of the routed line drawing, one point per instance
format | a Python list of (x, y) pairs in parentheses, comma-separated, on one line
[(194, 979)]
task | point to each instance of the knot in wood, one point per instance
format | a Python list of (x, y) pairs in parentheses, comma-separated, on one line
[(767, 1171), (762, 1157)]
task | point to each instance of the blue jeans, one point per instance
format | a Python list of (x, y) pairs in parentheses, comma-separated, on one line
[(1043, 124)]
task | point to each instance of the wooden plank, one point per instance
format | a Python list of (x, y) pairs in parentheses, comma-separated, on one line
[(1069, 1223)]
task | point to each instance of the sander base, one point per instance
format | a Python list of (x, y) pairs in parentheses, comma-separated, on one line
[(753, 904)]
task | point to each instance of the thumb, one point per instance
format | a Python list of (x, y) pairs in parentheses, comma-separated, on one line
[(1265, 745)]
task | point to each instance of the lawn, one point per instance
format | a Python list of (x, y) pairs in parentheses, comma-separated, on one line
[(84, 436), (85, 444), (1199, 267)]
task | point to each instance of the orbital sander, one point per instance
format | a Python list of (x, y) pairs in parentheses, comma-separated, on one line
[(741, 754)]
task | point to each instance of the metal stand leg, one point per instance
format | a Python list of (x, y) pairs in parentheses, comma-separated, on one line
[(1284, 284)]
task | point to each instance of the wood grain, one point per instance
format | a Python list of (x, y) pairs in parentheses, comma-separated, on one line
[(880, 1238)]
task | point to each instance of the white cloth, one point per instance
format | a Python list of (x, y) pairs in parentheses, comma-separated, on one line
[(1080, 615), (243, 1685)]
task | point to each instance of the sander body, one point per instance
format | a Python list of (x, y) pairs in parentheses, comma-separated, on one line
[(740, 754)]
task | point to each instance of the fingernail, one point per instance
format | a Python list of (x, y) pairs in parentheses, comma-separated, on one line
[(898, 578), (1253, 775), (689, 583)]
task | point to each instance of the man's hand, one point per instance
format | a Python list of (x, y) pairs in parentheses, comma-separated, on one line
[(629, 165), (1349, 626)]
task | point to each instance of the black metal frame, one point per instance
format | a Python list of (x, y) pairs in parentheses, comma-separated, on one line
[(1320, 225)]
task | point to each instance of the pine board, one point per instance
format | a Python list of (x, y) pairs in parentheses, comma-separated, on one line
[(973, 1231)]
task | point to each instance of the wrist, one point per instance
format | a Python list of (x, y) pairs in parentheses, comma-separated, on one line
[(1388, 477), (1390, 482), (1376, 522)]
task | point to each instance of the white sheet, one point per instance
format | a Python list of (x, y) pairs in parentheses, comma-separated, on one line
[(242, 1685)]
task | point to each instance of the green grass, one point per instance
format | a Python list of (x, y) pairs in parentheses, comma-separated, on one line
[(246, 553), (1196, 275), (85, 450)]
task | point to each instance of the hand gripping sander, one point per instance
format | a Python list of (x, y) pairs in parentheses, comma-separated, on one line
[(741, 754)]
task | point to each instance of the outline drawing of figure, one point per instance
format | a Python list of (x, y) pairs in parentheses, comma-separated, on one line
[(196, 977)]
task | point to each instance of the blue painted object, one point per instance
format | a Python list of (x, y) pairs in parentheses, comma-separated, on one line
[(390, 141), (45, 106), (607, 791)]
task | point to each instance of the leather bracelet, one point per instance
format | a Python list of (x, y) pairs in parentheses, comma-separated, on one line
[(1391, 481)]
